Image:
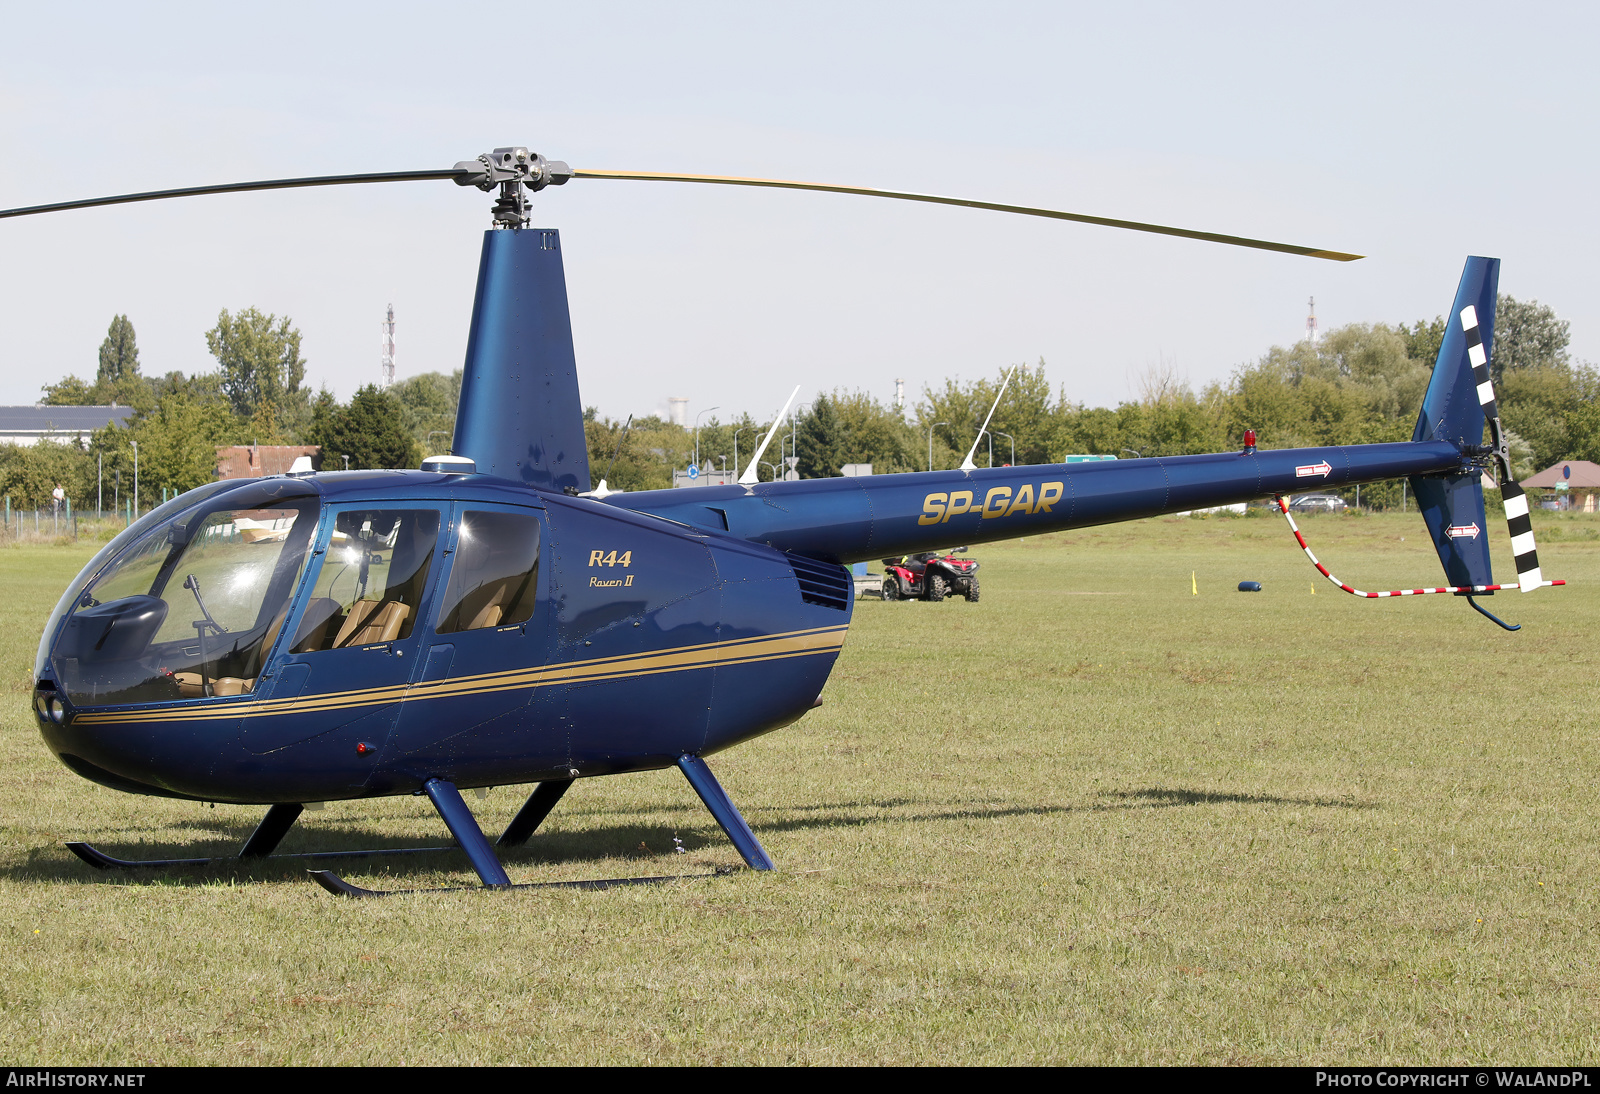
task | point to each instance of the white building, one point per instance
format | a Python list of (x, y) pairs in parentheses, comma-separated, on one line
[(28, 425)]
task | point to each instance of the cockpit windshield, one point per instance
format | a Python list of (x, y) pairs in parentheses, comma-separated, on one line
[(192, 608)]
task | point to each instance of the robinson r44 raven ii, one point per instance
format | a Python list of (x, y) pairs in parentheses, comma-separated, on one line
[(495, 619)]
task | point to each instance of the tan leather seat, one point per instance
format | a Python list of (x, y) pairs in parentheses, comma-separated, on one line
[(486, 605), (370, 623)]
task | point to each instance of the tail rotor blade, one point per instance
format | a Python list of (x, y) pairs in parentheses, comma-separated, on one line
[(1518, 519)]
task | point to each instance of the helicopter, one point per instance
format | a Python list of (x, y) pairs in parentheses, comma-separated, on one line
[(497, 618)]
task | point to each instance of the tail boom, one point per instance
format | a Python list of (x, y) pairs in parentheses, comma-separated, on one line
[(858, 519)]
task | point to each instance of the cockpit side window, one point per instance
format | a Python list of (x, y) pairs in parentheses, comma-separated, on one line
[(494, 579), (191, 610), (372, 581)]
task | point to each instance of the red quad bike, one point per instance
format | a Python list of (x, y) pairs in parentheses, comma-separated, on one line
[(930, 576)]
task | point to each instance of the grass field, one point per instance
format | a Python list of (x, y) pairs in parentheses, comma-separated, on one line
[(1095, 818)]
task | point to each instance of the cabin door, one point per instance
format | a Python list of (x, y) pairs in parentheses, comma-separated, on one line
[(476, 707), (356, 632)]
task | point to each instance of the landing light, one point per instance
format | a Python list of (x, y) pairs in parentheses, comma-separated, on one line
[(49, 705)]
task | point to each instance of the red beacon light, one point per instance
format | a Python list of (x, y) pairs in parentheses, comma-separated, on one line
[(1249, 440)]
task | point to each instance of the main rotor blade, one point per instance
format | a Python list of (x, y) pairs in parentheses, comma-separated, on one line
[(236, 187), (1053, 214)]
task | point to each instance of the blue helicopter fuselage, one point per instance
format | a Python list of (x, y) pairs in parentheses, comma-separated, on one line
[(636, 624)]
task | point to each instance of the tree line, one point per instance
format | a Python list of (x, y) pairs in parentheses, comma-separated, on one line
[(256, 395), (1361, 383)]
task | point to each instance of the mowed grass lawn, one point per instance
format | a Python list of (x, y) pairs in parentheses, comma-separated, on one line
[(1094, 818)]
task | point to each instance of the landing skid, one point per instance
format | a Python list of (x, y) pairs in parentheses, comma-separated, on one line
[(469, 838), (340, 887), (102, 861)]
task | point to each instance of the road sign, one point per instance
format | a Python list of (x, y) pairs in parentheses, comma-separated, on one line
[(694, 472)]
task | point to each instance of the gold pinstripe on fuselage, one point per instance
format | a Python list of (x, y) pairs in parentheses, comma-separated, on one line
[(738, 651)]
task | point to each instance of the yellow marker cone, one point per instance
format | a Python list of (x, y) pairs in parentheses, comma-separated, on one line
[(1193, 588)]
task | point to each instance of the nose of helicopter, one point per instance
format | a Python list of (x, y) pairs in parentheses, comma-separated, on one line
[(100, 754)]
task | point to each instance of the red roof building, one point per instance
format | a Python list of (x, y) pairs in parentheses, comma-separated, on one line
[(252, 461), (1578, 481)]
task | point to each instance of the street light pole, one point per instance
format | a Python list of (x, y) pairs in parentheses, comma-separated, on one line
[(1013, 440), (697, 418), (931, 428), (135, 478), (794, 438)]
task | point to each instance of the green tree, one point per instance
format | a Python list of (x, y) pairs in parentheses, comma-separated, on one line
[(428, 405), (69, 391), (117, 378), (1527, 335), (645, 452), (1086, 431), (28, 474), (204, 387), (1028, 412), (119, 354), (1423, 340), (820, 441), (1553, 409), (876, 434), (369, 432), (178, 442), (260, 365)]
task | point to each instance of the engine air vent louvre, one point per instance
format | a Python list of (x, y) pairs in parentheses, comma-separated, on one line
[(824, 583)]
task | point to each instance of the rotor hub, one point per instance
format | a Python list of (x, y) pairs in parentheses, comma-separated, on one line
[(515, 171)]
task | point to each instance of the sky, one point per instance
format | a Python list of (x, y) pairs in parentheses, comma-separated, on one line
[(1413, 134)]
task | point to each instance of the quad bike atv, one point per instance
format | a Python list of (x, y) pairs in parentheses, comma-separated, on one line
[(930, 576)]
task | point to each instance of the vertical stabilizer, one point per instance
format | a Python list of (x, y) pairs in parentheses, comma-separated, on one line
[(520, 416), (1452, 411)]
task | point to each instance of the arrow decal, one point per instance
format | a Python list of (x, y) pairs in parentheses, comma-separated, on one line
[(1322, 470), (1458, 531)]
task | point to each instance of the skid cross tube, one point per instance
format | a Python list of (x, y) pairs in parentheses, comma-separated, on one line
[(270, 832), (533, 812)]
